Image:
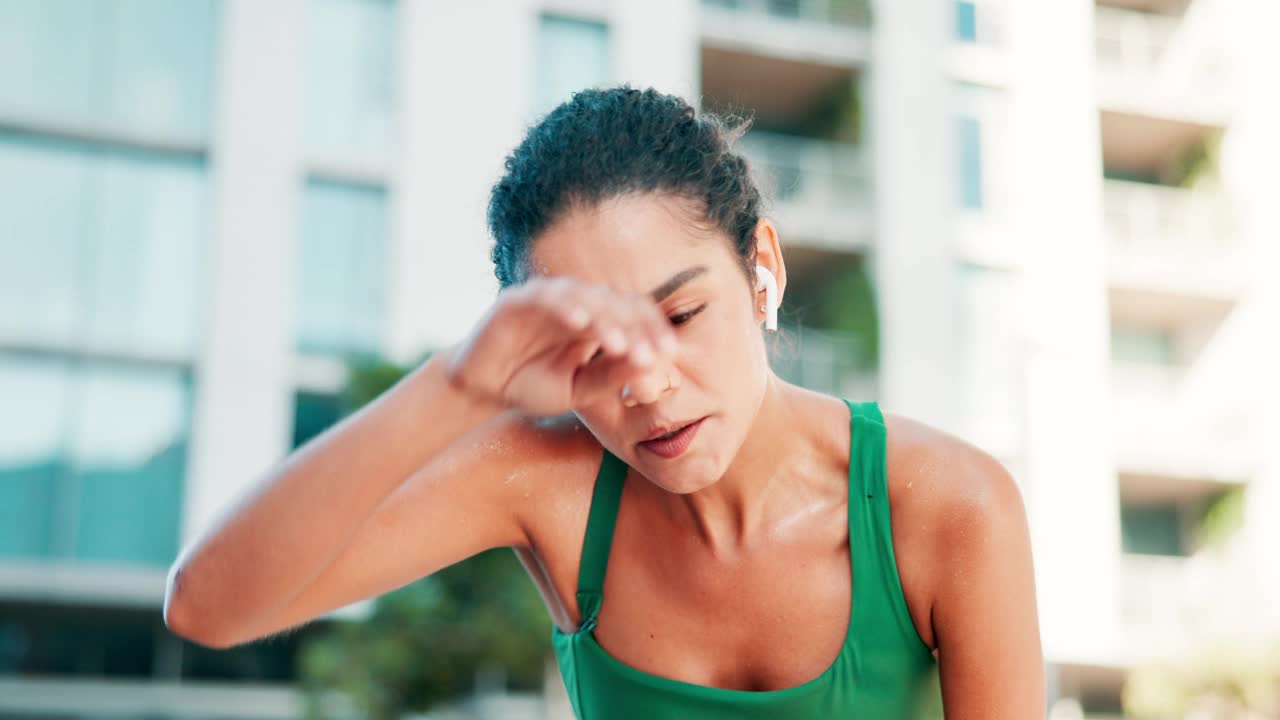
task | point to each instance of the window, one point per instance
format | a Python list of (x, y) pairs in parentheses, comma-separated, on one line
[(966, 20), (572, 55), (341, 290), (1151, 529), (351, 80), (100, 248), (138, 66), (341, 296), (75, 481), (1142, 346), (970, 145), (104, 114), (313, 413)]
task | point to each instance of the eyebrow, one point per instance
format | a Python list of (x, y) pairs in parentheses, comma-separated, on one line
[(675, 281)]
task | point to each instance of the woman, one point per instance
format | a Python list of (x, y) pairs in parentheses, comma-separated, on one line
[(770, 551)]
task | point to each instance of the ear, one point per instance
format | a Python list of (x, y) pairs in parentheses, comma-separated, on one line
[(769, 254)]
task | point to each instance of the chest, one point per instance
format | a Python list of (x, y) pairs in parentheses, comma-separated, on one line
[(770, 616)]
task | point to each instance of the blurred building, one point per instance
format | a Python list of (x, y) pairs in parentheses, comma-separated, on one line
[(1060, 215)]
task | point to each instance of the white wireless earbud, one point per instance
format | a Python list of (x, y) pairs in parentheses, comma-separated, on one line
[(770, 308)]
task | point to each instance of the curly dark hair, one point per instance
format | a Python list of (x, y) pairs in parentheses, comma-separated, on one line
[(602, 143)]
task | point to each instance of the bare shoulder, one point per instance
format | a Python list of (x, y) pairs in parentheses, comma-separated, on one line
[(946, 495), (962, 516), (546, 467), (934, 474)]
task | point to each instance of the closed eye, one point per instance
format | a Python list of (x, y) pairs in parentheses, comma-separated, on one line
[(684, 317)]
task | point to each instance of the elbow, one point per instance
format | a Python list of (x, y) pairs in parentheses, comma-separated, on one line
[(184, 620)]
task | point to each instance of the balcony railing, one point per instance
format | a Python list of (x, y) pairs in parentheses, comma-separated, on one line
[(1132, 42), (1162, 422), (1150, 386), (1158, 592), (1166, 219), (805, 174), (1139, 47), (853, 13)]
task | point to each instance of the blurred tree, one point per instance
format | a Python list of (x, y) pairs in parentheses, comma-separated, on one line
[(1232, 680), (839, 114), (428, 641), (1196, 167), (839, 297)]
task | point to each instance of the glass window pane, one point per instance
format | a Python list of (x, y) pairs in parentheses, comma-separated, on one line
[(139, 65), (313, 413), (970, 142), (342, 296), (1147, 346), (99, 248), (129, 448), (161, 56), (966, 21), (572, 55), (43, 195), (33, 408), (147, 238), (351, 79), (1151, 529), (50, 58)]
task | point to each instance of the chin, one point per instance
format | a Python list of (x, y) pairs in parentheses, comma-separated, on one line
[(683, 478)]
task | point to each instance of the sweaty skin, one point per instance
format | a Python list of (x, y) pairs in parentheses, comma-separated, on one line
[(730, 562)]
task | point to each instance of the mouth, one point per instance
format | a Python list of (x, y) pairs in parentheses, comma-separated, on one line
[(672, 444)]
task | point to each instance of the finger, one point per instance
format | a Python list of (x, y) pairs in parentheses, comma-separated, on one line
[(604, 378), (657, 326)]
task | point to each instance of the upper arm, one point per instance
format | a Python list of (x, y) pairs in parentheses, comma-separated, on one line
[(472, 497), (985, 619)]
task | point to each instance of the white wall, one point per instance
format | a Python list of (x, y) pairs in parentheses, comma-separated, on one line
[(909, 130), (244, 375), (1056, 215)]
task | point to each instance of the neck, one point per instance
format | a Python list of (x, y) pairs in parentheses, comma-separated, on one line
[(763, 491)]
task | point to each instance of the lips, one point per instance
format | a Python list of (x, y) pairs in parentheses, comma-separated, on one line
[(674, 442)]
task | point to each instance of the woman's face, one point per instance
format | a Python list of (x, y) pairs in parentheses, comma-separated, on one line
[(646, 242)]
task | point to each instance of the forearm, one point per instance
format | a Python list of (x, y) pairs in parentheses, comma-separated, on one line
[(292, 523)]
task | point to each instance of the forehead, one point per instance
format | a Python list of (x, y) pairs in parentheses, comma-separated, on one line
[(631, 242)]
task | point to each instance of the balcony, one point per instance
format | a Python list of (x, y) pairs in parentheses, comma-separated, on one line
[(1169, 423), (1172, 605), (1160, 65), (817, 191), (823, 32), (1161, 598), (1171, 242)]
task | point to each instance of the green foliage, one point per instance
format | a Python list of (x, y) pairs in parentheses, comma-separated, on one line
[(840, 114), (425, 643), (1197, 165), (1223, 515), (840, 298), (367, 378)]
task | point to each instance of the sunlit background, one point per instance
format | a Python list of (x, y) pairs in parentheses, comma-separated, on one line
[(1049, 227)]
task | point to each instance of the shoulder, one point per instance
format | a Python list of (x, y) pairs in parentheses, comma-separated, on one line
[(941, 476), (546, 467), (951, 503), (974, 567)]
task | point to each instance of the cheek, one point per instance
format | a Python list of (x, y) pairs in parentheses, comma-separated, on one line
[(601, 420), (725, 353)]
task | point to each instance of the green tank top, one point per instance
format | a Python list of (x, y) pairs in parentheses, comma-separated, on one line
[(883, 671)]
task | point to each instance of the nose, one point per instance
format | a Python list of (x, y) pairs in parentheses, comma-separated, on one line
[(648, 388)]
